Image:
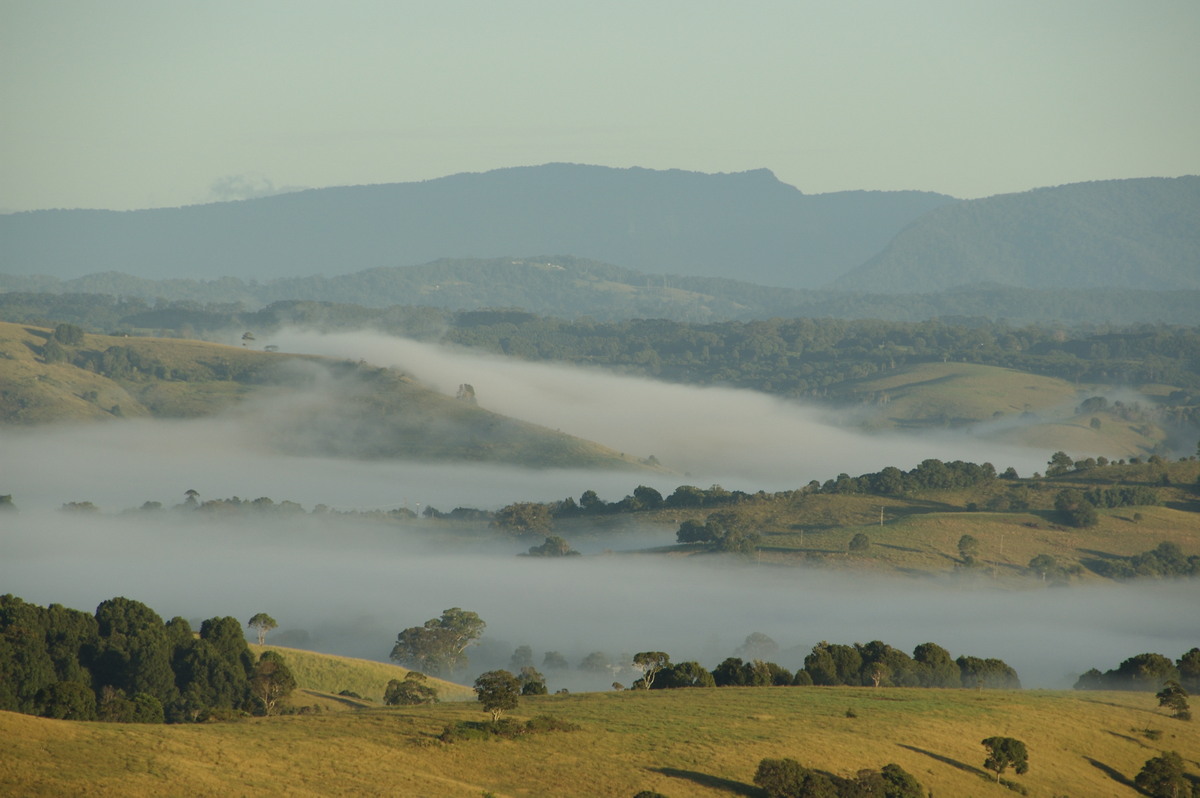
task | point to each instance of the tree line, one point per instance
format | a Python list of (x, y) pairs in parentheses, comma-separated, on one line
[(125, 664)]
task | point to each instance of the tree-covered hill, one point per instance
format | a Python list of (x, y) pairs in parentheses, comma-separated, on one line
[(332, 408), (570, 287), (1130, 234), (665, 222)]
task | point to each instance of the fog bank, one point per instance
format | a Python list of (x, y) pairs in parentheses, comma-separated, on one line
[(349, 587)]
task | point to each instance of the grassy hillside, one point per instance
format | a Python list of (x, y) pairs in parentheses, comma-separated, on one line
[(331, 675), (695, 742), (1012, 520), (317, 406), (1023, 408)]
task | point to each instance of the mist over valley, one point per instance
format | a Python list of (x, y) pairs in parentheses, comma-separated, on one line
[(348, 586)]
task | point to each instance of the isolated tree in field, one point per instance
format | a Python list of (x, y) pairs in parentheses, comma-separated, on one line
[(272, 681), (498, 691), (438, 647), (1189, 670), (522, 656), (554, 661), (860, 543), (1005, 752), (968, 549), (1173, 698), (1043, 564), (1162, 777), (262, 623), (650, 663), (414, 689)]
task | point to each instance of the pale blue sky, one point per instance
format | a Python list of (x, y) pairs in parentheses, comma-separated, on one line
[(139, 104)]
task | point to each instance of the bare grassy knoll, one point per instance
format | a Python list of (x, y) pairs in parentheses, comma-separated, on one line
[(690, 742), (327, 674), (299, 404), (1015, 406)]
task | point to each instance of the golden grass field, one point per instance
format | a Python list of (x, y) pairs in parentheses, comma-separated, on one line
[(693, 742)]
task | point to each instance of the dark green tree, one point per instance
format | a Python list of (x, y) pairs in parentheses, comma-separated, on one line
[(683, 674), (532, 682), (1162, 777), (1003, 753), (968, 549), (439, 647), (1173, 698), (498, 691), (134, 651), (1188, 666), (860, 543), (272, 681), (934, 666), (68, 701), (787, 778), (413, 689)]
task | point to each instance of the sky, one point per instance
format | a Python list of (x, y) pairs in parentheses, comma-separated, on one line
[(134, 104)]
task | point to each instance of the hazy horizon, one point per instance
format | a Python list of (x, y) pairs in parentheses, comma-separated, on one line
[(140, 104)]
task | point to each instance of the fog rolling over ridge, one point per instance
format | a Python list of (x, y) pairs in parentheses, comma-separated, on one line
[(738, 438), (348, 587)]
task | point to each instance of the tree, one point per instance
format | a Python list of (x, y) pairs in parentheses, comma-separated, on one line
[(596, 662), (414, 689), (498, 691), (524, 518), (554, 661), (1005, 752), (787, 778), (554, 546), (1043, 565), (1162, 777), (521, 657), (684, 674), (1189, 670), (262, 623), (532, 682), (1075, 509), (272, 681), (650, 663), (1174, 698), (968, 549), (860, 542), (1060, 463), (440, 645)]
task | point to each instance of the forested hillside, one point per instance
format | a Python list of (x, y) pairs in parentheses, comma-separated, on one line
[(1131, 234)]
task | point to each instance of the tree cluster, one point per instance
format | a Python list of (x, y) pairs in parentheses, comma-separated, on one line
[(1164, 560), (871, 664), (787, 778), (125, 664), (1147, 671)]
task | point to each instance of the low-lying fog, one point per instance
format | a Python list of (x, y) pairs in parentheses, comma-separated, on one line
[(349, 587)]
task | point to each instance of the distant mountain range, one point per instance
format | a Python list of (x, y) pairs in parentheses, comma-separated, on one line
[(748, 225), (1142, 234), (1122, 234)]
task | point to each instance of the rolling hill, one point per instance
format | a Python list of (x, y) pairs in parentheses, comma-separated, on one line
[(295, 404), (690, 742)]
